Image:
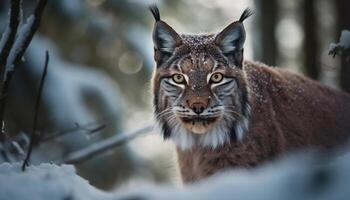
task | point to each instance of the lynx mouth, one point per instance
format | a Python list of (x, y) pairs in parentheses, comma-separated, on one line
[(203, 120), (199, 125)]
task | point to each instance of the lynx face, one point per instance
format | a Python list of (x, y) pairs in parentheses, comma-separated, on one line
[(199, 85)]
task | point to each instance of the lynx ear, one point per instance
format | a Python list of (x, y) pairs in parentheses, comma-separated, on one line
[(231, 39), (165, 38)]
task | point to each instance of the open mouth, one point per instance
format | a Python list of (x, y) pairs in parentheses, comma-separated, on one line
[(199, 120), (198, 124)]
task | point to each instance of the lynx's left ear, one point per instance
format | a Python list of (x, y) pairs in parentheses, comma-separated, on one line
[(231, 39), (165, 38)]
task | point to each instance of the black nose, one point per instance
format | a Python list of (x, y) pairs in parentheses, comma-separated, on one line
[(198, 108)]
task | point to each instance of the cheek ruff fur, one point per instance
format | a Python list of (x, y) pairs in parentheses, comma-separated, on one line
[(222, 133)]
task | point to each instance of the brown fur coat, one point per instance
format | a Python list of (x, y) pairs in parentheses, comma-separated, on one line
[(288, 112)]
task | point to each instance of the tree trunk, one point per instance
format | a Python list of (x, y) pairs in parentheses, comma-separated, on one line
[(311, 44), (268, 21)]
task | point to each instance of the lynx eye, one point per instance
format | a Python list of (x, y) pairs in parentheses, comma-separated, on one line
[(178, 78), (216, 77)]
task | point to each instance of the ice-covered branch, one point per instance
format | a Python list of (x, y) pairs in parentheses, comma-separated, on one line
[(25, 35), (342, 46), (89, 128), (13, 44), (8, 37), (6, 42), (104, 145)]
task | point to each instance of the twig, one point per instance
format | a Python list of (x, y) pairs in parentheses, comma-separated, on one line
[(34, 137), (104, 145), (95, 129)]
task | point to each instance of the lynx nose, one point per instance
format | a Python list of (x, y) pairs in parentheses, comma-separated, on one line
[(198, 104)]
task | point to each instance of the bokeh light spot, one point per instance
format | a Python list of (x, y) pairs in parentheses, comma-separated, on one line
[(130, 62)]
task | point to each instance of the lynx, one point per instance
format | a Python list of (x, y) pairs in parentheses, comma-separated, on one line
[(222, 111)]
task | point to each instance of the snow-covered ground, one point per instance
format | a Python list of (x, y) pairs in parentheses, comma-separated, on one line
[(296, 177), (45, 182)]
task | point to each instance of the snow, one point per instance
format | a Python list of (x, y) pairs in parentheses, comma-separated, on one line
[(46, 181), (4, 38), (296, 177), (21, 37), (7, 31), (345, 39), (344, 43)]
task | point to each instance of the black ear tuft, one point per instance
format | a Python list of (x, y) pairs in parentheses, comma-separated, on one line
[(246, 13), (165, 38), (232, 38), (155, 12)]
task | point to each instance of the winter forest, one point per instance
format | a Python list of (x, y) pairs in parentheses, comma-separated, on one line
[(76, 100)]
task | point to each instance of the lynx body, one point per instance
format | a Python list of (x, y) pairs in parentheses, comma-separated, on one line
[(224, 112)]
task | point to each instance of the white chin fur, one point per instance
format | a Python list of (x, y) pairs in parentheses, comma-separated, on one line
[(214, 138)]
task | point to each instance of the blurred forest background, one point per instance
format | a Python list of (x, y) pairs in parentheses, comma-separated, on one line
[(102, 59)]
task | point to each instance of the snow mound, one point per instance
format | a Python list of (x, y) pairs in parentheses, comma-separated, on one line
[(43, 182), (297, 177)]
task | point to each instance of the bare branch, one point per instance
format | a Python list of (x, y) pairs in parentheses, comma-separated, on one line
[(34, 137), (96, 128), (104, 145)]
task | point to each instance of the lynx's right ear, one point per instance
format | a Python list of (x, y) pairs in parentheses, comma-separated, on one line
[(231, 39), (165, 38)]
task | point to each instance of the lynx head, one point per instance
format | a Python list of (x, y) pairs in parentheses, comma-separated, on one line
[(199, 85)]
